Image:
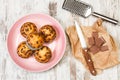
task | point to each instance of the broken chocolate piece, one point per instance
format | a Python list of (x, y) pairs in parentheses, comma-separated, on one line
[(95, 34), (99, 41), (104, 48), (96, 43), (91, 41), (94, 49)]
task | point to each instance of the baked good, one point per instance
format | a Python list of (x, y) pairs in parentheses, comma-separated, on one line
[(23, 50), (35, 40), (28, 28), (43, 55), (49, 33)]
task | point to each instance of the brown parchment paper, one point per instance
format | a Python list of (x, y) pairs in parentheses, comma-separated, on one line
[(101, 60)]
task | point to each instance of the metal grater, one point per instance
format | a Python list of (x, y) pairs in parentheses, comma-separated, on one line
[(85, 10)]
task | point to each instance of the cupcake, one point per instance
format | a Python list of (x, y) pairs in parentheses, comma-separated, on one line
[(43, 55), (48, 32), (35, 40), (23, 51), (28, 28)]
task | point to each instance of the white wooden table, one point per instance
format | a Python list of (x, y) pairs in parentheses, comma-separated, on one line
[(68, 68)]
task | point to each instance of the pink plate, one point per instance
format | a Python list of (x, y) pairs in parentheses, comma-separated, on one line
[(57, 46)]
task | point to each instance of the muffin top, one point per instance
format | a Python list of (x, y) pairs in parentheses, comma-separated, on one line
[(35, 40), (28, 28), (49, 33), (23, 50)]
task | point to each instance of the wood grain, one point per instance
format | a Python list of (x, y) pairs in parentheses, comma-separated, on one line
[(68, 68)]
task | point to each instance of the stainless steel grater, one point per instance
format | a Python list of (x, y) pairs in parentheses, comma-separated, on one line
[(85, 10)]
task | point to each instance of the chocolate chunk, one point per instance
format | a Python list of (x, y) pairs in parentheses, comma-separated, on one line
[(91, 41), (104, 48), (99, 41), (96, 43), (94, 49), (95, 34), (103, 39)]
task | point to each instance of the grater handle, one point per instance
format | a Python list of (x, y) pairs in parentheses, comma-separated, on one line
[(111, 20)]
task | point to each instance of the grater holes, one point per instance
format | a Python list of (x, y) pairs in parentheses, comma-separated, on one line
[(76, 7)]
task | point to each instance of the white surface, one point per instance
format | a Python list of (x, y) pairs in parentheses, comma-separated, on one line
[(68, 68)]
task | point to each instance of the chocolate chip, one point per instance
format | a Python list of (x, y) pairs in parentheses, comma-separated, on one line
[(26, 30), (91, 41), (21, 49), (31, 36), (37, 42), (24, 47)]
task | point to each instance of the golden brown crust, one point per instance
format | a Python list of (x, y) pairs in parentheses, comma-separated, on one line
[(35, 40), (28, 28), (49, 33), (43, 55), (23, 51)]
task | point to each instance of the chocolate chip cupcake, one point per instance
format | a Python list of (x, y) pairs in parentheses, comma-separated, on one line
[(43, 55), (28, 28), (23, 51), (35, 40), (49, 33)]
